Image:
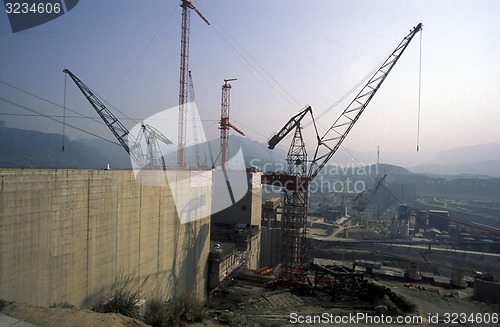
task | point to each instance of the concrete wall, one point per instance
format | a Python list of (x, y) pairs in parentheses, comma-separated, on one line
[(248, 209), (271, 243), (253, 252), (71, 235)]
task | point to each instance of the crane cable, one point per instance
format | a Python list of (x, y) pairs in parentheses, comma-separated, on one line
[(95, 119), (54, 119), (252, 62), (64, 114), (141, 54), (419, 92)]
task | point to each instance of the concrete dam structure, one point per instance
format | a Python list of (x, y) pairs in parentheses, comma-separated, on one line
[(72, 235)]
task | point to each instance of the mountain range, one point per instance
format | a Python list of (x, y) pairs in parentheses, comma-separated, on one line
[(482, 159), (32, 149)]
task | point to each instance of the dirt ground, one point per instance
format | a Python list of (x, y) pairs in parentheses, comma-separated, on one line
[(432, 301), (62, 317), (247, 300)]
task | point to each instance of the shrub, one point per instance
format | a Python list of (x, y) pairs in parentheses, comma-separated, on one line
[(4, 303), (176, 312), (122, 301), (155, 313), (187, 308), (65, 305)]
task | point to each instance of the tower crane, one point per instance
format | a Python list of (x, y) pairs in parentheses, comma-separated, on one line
[(295, 182), (225, 125), (132, 144), (184, 76), (192, 99)]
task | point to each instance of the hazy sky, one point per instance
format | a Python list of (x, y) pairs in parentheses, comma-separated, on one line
[(285, 54)]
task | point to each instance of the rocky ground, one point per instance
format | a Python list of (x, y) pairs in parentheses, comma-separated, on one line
[(246, 300)]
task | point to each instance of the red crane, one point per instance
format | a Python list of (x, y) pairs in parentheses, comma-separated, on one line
[(225, 125)]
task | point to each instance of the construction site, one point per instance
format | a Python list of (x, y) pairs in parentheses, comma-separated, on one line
[(257, 247)]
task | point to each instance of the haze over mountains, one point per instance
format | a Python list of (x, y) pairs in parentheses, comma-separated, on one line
[(32, 149), (483, 159)]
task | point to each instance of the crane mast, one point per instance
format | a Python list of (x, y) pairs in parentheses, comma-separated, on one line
[(295, 196), (225, 125), (184, 77), (295, 182), (192, 100)]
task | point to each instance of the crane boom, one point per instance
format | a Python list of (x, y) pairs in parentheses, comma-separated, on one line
[(107, 116), (289, 126), (151, 135), (236, 129), (335, 135)]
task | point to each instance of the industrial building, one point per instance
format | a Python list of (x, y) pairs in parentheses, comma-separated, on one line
[(224, 259), (236, 230), (435, 220), (271, 235), (404, 192)]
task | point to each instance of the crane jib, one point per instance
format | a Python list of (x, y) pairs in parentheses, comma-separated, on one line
[(330, 142), (149, 158)]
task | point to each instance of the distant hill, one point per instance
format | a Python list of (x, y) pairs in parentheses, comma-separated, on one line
[(477, 169), (468, 154), (478, 160), (112, 153), (32, 149), (258, 155), (459, 186)]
